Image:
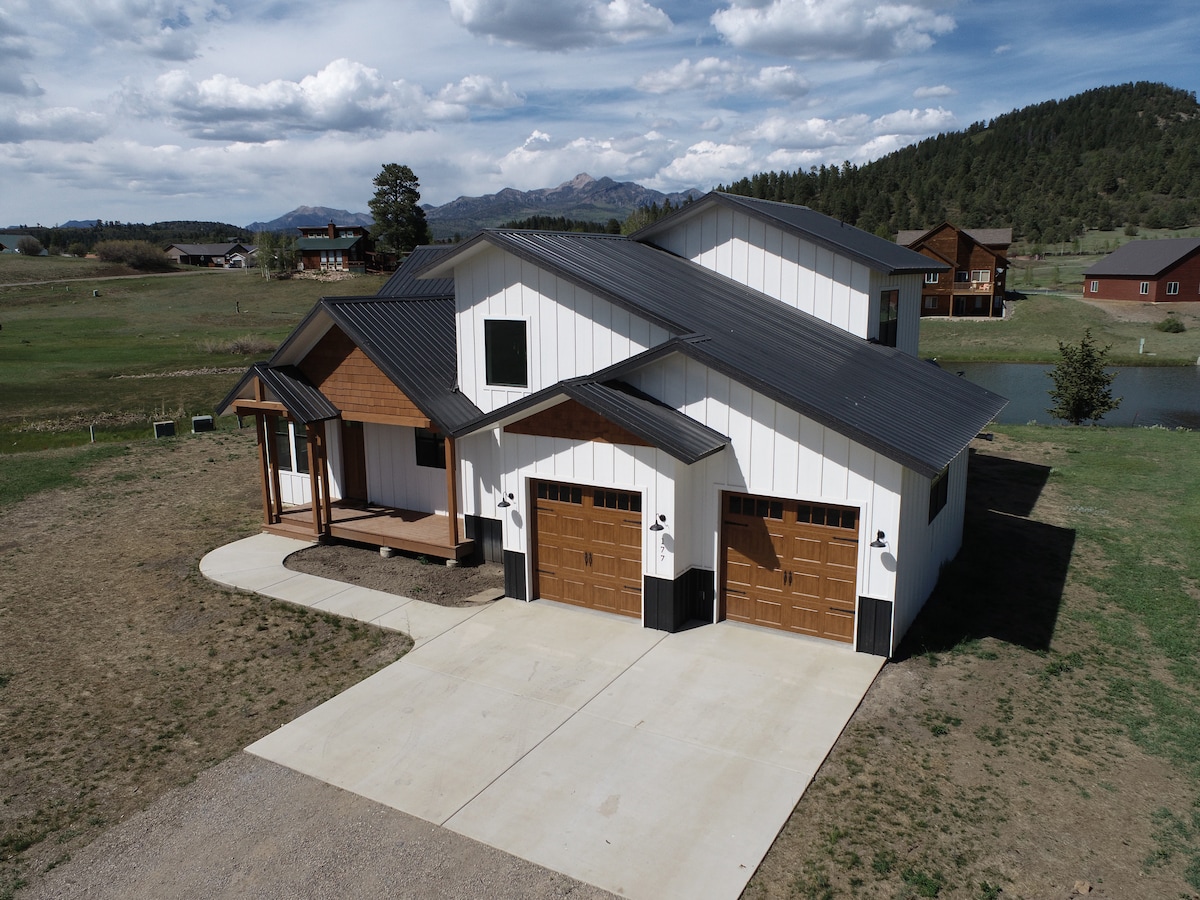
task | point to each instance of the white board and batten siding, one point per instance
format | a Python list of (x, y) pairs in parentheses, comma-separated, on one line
[(393, 476), (802, 274), (570, 331), (774, 451), (295, 487)]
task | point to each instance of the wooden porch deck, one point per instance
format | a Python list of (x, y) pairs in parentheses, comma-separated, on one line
[(384, 526)]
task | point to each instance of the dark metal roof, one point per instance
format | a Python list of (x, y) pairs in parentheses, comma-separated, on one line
[(404, 282), (869, 249), (412, 341), (653, 421), (988, 237), (1145, 258), (327, 243), (889, 401), (287, 385)]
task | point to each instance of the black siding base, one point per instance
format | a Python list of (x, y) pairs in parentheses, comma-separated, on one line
[(874, 626), (488, 535), (514, 575), (672, 605)]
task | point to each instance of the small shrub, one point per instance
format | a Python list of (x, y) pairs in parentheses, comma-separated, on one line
[(140, 255), (1171, 325)]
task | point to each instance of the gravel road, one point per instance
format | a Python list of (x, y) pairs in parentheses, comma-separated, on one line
[(250, 828)]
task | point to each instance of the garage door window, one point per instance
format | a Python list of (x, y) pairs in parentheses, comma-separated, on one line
[(560, 493)]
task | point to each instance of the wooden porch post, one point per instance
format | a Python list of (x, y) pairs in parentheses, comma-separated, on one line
[(264, 464), (272, 456), (324, 442), (452, 490), (314, 477)]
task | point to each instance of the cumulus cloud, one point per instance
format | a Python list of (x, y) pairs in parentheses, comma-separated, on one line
[(167, 29), (819, 29), (721, 76), (543, 159), (562, 24), (706, 163), (345, 96), (857, 137), (58, 124)]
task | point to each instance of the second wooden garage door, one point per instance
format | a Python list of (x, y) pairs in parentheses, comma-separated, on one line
[(588, 547), (790, 565)]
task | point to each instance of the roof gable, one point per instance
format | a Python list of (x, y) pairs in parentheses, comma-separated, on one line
[(876, 253)]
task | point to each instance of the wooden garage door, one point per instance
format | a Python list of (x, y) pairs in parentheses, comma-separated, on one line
[(588, 547), (790, 565)]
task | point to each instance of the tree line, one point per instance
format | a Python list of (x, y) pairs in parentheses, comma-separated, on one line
[(1115, 156), (79, 241)]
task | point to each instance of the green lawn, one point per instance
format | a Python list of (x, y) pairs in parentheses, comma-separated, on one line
[(1032, 332), (18, 269), (143, 348)]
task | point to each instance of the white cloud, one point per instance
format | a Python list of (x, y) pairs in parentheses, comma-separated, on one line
[(939, 90), (792, 133), (542, 160), (707, 163), (821, 29), (719, 76), (914, 121), (56, 124), (561, 24), (345, 96), (167, 29)]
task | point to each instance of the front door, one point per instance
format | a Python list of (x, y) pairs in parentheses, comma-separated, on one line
[(354, 462)]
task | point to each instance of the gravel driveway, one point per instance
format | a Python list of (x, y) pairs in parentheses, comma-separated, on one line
[(251, 828)]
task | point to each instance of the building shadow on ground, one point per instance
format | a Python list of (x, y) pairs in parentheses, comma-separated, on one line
[(1007, 580)]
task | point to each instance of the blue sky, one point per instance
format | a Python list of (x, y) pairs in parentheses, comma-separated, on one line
[(147, 110)]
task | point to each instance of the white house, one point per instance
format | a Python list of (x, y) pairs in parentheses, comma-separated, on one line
[(722, 416)]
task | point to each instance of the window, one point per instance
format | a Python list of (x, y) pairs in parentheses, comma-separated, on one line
[(962, 277), (1145, 288), (889, 312), (931, 277), (291, 446), (938, 489), (507, 356), (431, 449), (1172, 287), (930, 302), (1095, 287), (981, 276)]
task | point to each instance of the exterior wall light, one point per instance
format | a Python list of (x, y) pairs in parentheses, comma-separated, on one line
[(505, 501), (658, 523), (880, 540)]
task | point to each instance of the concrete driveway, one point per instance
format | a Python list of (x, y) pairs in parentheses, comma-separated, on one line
[(648, 764)]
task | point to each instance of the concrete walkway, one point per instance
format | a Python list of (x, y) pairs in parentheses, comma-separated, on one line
[(648, 764)]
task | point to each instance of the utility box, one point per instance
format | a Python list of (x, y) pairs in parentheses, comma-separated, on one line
[(164, 429), (201, 423)]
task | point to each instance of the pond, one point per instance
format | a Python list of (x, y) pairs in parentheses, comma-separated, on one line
[(1150, 395)]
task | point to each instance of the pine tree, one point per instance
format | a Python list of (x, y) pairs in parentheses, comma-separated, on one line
[(1082, 389)]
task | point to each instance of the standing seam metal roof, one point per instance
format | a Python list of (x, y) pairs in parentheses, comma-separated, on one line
[(1146, 258), (302, 401), (892, 402), (404, 282)]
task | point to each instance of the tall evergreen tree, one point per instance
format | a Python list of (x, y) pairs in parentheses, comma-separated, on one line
[(399, 220)]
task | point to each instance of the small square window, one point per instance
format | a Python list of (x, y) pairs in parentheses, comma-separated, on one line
[(931, 277), (431, 449), (507, 357), (962, 277), (931, 302), (981, 276), (1172, 287)]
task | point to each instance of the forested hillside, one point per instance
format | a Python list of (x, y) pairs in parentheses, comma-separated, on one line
[(1127, 155), (80, 240)]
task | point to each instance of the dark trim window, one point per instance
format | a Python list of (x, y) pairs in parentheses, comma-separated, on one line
[(506, 353), (938, 491), (291, 446), (889, 314), (962, 277), (431, 449)]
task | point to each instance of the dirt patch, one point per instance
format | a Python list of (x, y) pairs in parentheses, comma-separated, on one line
[(1139, 311), (418, 577)]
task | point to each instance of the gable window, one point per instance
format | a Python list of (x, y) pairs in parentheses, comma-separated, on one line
[(1145, 288), (889, 313), (981, 276), (1172, 287), (931, 277), (938, 491), (507, 356), (291, 446), (1095, 287), (962, 277), (431, 449)]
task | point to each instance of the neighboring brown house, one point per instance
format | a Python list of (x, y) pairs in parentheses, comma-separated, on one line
[(978, 258), (229, 255), (334, 248), (1162, 271)]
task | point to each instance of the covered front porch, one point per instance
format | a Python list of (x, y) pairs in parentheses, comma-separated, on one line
[(431, 534)]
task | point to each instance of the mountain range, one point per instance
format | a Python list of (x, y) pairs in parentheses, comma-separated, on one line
[(583, 198)]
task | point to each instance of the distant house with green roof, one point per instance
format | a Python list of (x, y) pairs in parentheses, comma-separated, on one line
[(334, 248)]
